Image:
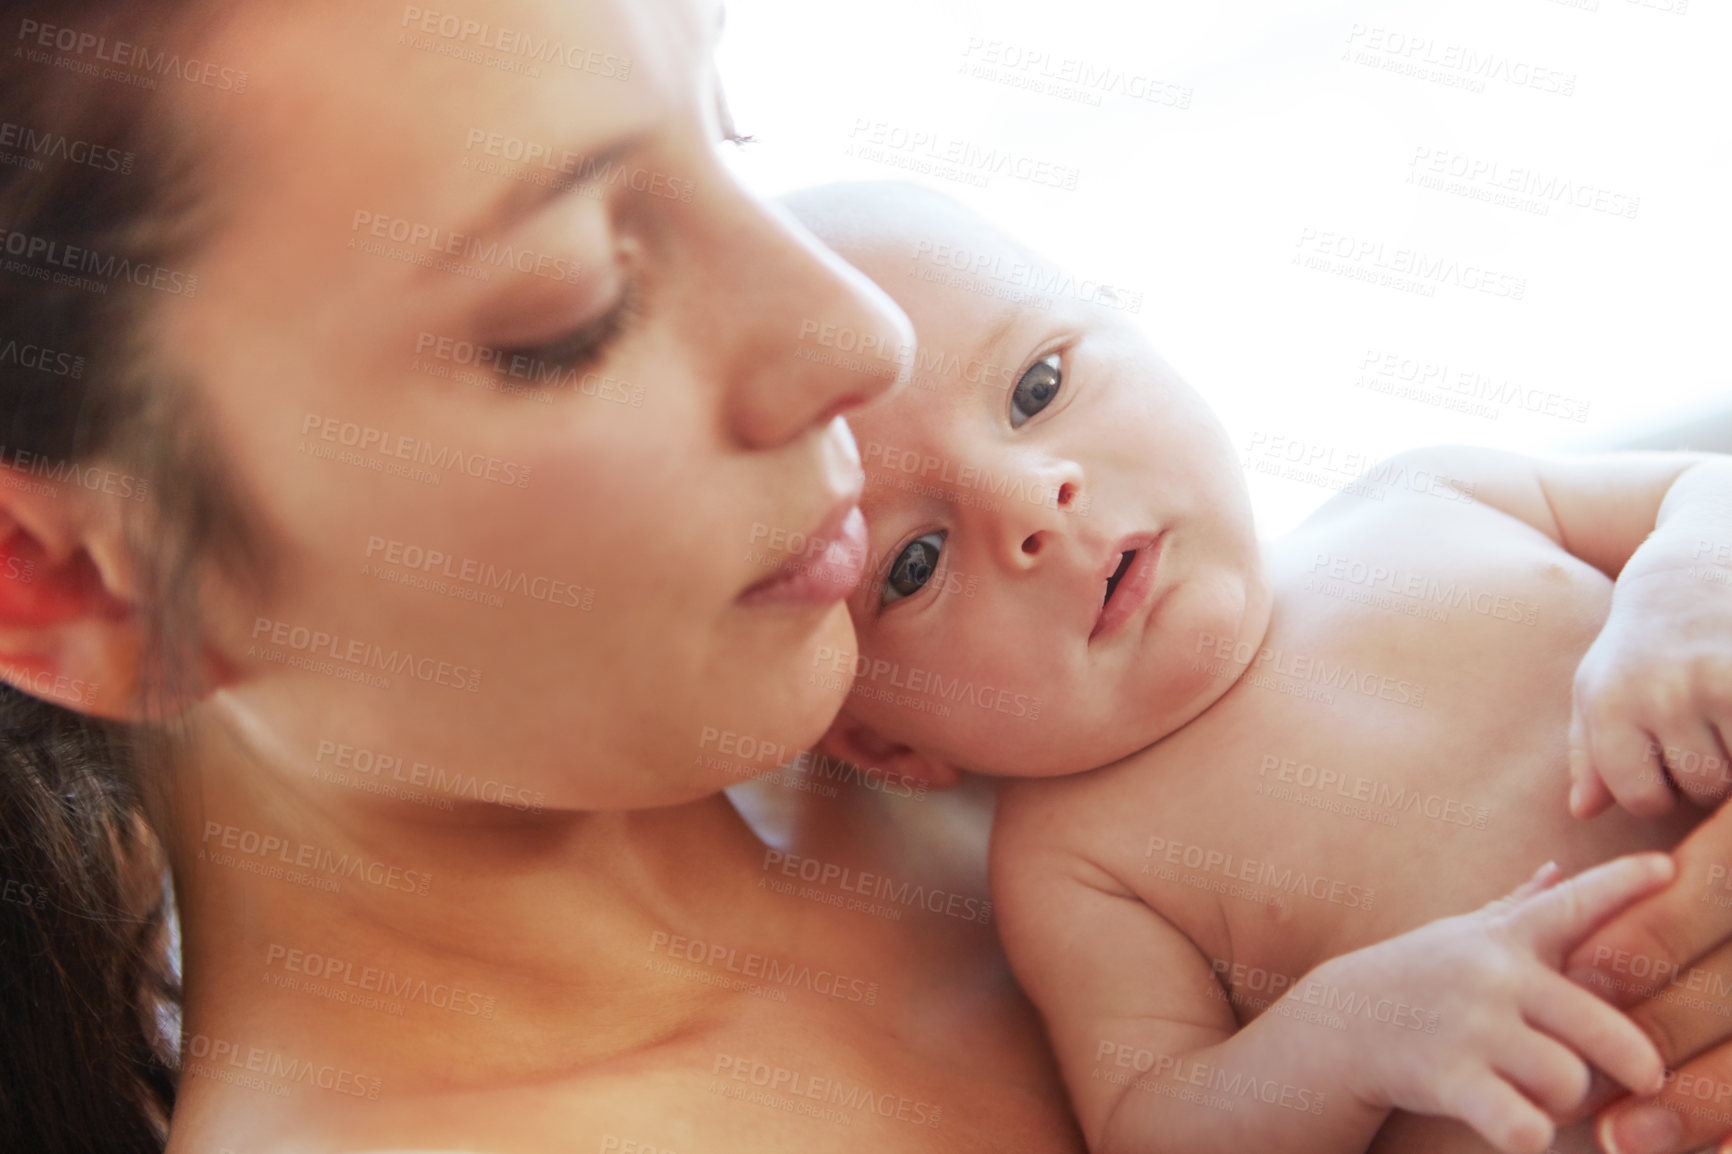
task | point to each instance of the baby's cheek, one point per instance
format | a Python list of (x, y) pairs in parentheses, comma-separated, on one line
[(1205, 639)]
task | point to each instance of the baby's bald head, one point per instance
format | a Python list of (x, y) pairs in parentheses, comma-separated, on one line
[(893, 231), (1039, 452)]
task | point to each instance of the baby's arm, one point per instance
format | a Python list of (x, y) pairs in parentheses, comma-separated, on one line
[(1154, 1060), (1122, 989), (1655, 689), (1600, 507)]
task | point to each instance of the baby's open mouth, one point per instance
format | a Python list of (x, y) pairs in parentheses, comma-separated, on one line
[(1125, 560), (1132, 581)]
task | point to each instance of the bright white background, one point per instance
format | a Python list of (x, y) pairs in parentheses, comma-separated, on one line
[(1202, 209)]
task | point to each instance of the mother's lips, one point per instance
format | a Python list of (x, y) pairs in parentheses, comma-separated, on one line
[(824, 569)]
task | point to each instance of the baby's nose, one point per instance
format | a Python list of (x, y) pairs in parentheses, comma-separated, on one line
[(1039, 513)]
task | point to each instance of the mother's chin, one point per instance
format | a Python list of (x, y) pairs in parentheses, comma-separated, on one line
[(769, 689)]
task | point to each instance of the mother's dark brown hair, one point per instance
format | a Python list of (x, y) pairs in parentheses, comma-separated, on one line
[(88, 997)]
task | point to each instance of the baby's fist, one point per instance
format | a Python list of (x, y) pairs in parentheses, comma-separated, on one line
[(1653, 699)]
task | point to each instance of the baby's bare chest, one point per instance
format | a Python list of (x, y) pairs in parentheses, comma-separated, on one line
[(1396, 751)]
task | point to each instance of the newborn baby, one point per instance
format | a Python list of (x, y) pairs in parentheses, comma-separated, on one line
[(1255, 923)]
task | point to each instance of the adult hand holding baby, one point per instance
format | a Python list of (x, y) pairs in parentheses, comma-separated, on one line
[(1652, 717), (1669, 959)]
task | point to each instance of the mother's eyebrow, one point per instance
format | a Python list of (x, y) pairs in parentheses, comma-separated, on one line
[(577, 170)]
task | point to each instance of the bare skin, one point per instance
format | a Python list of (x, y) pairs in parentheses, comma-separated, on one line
[(593, 1018), (1211, 784), (435, 903), (1363, 730)]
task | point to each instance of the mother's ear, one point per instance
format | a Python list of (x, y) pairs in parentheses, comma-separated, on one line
[(70, 627), (850, 739)]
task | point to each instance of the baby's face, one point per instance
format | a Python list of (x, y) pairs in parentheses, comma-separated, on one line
[(1055, 518)]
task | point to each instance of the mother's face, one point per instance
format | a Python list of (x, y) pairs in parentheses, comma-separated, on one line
[(512, 369)]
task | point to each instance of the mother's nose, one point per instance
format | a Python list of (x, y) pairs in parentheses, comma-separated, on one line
[(803, 334)]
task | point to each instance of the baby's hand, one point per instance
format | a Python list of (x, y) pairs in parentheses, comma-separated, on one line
[(1481, 1026), (1653, 697)]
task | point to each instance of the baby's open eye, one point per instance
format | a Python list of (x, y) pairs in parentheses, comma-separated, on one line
[(1038, 386), (913, 568)]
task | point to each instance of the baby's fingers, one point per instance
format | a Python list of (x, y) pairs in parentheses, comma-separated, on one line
[(1553, 921), (1500, 1114), (1617, 762), (1602, 1035), (1695, 758), (1544, 879), (1547, 1071), (1589, 794)]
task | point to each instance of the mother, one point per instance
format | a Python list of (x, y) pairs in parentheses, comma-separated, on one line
[(404, 520)]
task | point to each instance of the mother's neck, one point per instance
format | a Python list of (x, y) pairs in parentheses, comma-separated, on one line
[(305, 904)]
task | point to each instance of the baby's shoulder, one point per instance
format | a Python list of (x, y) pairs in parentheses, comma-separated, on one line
[(1414, 492), (1077, 812), (1408, 533)]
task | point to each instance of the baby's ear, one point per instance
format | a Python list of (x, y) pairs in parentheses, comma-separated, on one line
[(850, 739)]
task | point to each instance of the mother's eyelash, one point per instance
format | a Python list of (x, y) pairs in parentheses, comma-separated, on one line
[(587, 344)]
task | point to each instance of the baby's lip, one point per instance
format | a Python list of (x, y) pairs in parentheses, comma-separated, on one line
[(1125, 583)]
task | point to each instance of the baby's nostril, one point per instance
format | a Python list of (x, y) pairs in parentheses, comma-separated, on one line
[(1066, 494), (1031, 544)]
